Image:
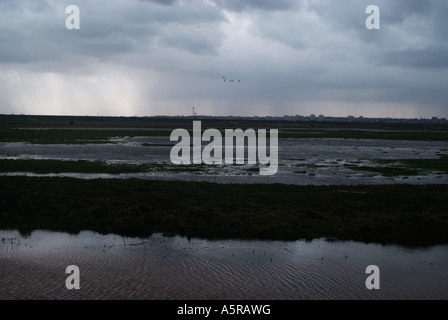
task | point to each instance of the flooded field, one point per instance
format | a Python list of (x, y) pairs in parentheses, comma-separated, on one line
[(301, 161), (158, 267), (115, 267)]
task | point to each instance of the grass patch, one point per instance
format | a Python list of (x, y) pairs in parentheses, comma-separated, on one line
[(387, 171), (84, 166), (74, 136), (354, 134), (310, 165), (78, 166), (440, 164), (405, 167), (405, 214), (156, 145)]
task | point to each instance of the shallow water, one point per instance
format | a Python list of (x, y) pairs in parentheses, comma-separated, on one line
[(114, 267), (301, 161)]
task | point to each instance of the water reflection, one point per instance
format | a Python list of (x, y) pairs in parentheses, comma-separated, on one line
[(115, 267)]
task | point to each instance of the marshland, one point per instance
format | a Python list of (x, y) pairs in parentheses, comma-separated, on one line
[(344, 195)]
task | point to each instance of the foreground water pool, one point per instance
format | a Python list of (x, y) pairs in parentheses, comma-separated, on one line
[(158, 267)]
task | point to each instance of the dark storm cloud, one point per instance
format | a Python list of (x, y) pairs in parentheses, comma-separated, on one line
[(413, 32), (345, 13), (36, 32)]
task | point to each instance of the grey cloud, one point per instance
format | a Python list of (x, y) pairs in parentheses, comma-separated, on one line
[(399, 10), (107, 29), (197, 41), (350, 16), (266, 5), (339, 26), (164, 2), (286, 53), (351, 13), (414, 58)]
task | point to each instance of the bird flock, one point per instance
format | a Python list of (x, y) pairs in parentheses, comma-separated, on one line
[(224, 78)]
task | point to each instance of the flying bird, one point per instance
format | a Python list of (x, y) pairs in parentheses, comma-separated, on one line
[(231, 80)]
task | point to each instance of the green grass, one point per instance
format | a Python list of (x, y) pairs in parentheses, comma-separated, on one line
[(78, 166), (169, 122), (156, 145), (84, 166), (387, 171), (404, 214), (67, 136), (97, 136), (355, 134), (310, 165), (440, 164), (406, 167)]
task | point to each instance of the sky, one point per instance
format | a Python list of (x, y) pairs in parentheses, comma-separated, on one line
[(164, 57)]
